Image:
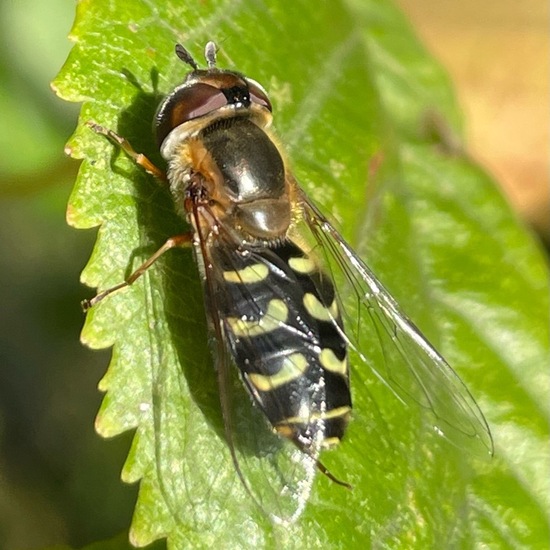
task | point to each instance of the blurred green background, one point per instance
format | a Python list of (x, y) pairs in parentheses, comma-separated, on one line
[(60, 481)]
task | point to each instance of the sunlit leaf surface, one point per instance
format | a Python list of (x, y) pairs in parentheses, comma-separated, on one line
[(352, 90)]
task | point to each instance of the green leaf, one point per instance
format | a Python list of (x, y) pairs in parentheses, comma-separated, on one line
[(351, 88)]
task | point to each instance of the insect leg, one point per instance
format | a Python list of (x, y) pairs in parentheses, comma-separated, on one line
[(322, 468), (178, 240), (124, 144)]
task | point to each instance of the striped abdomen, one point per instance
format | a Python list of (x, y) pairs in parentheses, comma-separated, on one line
[(284, 330)]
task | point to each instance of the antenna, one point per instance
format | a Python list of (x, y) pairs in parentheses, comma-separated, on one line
[(186, 57), (210, 54)]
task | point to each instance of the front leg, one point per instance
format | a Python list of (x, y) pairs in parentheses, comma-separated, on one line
[(178, 241), (124, 144)]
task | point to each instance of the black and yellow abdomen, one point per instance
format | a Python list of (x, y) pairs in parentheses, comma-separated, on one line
[(283, 327)]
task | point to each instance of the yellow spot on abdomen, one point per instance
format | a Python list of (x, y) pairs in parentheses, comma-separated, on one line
[(302, 265), (317, 310), (318, 415), (251, 274), (293, 367), (330, 362), (274, 317)]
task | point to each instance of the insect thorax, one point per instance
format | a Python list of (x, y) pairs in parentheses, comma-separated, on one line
[(241, 173)]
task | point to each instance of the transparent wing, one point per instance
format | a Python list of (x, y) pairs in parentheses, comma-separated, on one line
[(273, 470), (405, 361)]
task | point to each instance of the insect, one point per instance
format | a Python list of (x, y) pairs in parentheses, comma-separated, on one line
[(271, 266)]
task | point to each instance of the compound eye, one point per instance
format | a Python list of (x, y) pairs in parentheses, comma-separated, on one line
[(186, 104), (258, 95), (196, 101)]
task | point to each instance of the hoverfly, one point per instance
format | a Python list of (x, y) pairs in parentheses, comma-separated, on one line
[(272, 267)]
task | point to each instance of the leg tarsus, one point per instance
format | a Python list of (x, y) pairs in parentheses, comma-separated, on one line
[(322, 468), (178, 240)]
